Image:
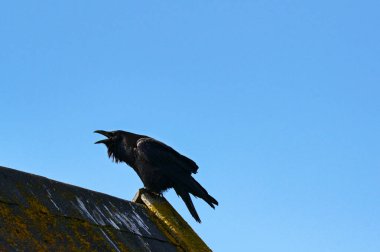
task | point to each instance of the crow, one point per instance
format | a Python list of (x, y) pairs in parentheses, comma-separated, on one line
[(158, 165)]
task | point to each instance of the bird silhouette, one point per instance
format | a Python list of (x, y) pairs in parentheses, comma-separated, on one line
[(158, 165)]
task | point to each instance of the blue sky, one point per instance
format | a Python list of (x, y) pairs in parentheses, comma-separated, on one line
[(277, 101)]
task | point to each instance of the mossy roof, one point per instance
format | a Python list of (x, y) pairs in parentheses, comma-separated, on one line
[(40, 214)]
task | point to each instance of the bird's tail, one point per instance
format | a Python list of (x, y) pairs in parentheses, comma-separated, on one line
[(198, 191), (189, 203), (193, 187)]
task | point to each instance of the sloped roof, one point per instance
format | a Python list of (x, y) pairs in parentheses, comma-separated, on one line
[(42, 214)]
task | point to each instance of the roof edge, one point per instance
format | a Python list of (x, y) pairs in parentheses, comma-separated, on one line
[(171, 222)]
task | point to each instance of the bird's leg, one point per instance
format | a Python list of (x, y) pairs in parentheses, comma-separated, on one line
[(153, 192)]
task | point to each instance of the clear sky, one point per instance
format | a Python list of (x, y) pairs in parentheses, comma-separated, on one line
[(277, 101)]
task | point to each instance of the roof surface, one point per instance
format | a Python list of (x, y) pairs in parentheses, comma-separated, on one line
[(42, 214)]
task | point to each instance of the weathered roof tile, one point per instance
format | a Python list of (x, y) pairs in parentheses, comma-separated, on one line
[(41, 214)]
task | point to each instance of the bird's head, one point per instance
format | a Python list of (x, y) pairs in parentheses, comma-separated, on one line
[(114, 143)]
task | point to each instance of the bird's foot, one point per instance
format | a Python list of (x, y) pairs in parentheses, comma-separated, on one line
[(153, 192)]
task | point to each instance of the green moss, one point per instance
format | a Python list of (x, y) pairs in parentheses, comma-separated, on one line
[(173, 225), (31, 228)]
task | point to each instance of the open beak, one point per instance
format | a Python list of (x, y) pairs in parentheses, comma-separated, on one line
[(104, 133)]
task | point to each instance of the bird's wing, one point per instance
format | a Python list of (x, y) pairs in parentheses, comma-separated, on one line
[(163, 156)]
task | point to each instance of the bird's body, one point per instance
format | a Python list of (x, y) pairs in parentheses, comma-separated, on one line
[(158, 165)]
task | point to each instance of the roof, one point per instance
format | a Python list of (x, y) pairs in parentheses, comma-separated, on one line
[(42, 214)]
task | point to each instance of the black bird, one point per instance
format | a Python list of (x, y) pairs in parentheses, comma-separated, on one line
[(158, 165)]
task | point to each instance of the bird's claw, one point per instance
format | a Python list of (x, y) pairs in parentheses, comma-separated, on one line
[(153, 192)]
